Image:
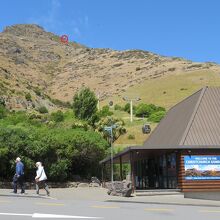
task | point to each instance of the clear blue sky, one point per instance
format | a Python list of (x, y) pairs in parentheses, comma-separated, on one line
[(183, 28)]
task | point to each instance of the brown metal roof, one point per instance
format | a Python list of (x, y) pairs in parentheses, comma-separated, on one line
[(205, 126), (173, 126)]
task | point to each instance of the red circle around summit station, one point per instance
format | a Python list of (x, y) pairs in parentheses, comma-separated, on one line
[(64, 39)]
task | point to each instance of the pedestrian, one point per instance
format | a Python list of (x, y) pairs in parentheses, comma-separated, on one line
[(41, 179), (19, 176)]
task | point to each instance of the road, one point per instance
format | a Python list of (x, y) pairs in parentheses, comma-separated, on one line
[(23, 207)]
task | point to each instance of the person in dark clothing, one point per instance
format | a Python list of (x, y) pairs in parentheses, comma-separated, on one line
[(19, 176)]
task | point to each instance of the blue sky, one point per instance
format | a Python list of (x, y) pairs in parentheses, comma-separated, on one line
[(182, 28)]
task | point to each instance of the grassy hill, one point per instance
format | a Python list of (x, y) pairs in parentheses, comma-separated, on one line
[(164, 91)]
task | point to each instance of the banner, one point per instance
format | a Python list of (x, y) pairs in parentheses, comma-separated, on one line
[(202, 167)]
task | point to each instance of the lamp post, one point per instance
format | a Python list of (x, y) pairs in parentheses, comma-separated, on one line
[(109, 129), (131, 105)]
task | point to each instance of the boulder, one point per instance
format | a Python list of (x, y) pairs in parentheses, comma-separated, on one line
[(83, 185), (94, 185)]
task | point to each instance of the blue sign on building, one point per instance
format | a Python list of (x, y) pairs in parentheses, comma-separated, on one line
[(202, 167)]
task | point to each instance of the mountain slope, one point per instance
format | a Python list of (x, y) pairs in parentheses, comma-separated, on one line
[(35, 61)]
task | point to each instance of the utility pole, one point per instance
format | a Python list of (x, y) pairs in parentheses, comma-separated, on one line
[(131, 110), (109, 129), (131, 105), (98, 104)]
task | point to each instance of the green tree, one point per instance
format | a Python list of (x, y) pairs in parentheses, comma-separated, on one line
[(85, 104), (108, 121)]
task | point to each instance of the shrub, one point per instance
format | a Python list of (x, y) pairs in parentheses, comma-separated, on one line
[(37, 91), (57, 116), (131, 137), (105, 112), (43, 110), (3, 112), (157, 116), (28, 97), (118, 107), (143, 110)]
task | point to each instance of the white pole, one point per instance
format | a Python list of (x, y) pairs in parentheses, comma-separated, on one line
[(98, 102), (112, 167), (131, 110)]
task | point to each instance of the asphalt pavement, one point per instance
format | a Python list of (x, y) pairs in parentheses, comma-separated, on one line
[(96, 204)]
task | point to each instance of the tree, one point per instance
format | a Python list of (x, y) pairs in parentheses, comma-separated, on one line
[(85, 104), (108, 121)]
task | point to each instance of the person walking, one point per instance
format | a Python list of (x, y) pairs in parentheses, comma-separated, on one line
[(41, 179), (19, 176)]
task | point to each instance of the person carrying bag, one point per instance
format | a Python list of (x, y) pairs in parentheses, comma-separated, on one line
[(41, 179)]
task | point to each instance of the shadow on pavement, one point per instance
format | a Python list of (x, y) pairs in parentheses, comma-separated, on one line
[(24, 196)]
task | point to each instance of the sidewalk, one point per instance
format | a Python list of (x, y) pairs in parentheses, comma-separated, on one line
[(100, 194)]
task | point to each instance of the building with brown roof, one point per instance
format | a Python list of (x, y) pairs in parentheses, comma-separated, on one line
[(183, 152)]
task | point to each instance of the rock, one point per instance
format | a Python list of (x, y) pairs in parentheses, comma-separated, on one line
[(83, 185), (94, 185)]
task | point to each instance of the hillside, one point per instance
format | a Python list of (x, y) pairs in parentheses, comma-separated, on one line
[(35, 61)]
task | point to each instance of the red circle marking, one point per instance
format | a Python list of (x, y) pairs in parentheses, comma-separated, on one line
[(64, 39)]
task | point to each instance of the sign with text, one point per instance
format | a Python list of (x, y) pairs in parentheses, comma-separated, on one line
[(202, 167)]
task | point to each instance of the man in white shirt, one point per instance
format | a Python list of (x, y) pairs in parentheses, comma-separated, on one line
[(41, 178)]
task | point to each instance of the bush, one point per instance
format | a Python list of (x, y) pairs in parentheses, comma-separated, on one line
[(143, 110), (57, 116), (2, 102), (118, 107), (131, 137), (127, 108), (37, 91), (63, 151), (157, 116), (28, 97), (3, 112), (105, 112), (43, 110)]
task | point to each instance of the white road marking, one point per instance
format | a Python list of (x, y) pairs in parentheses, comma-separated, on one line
[(16, 214), (36, 215), (52, 216)]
